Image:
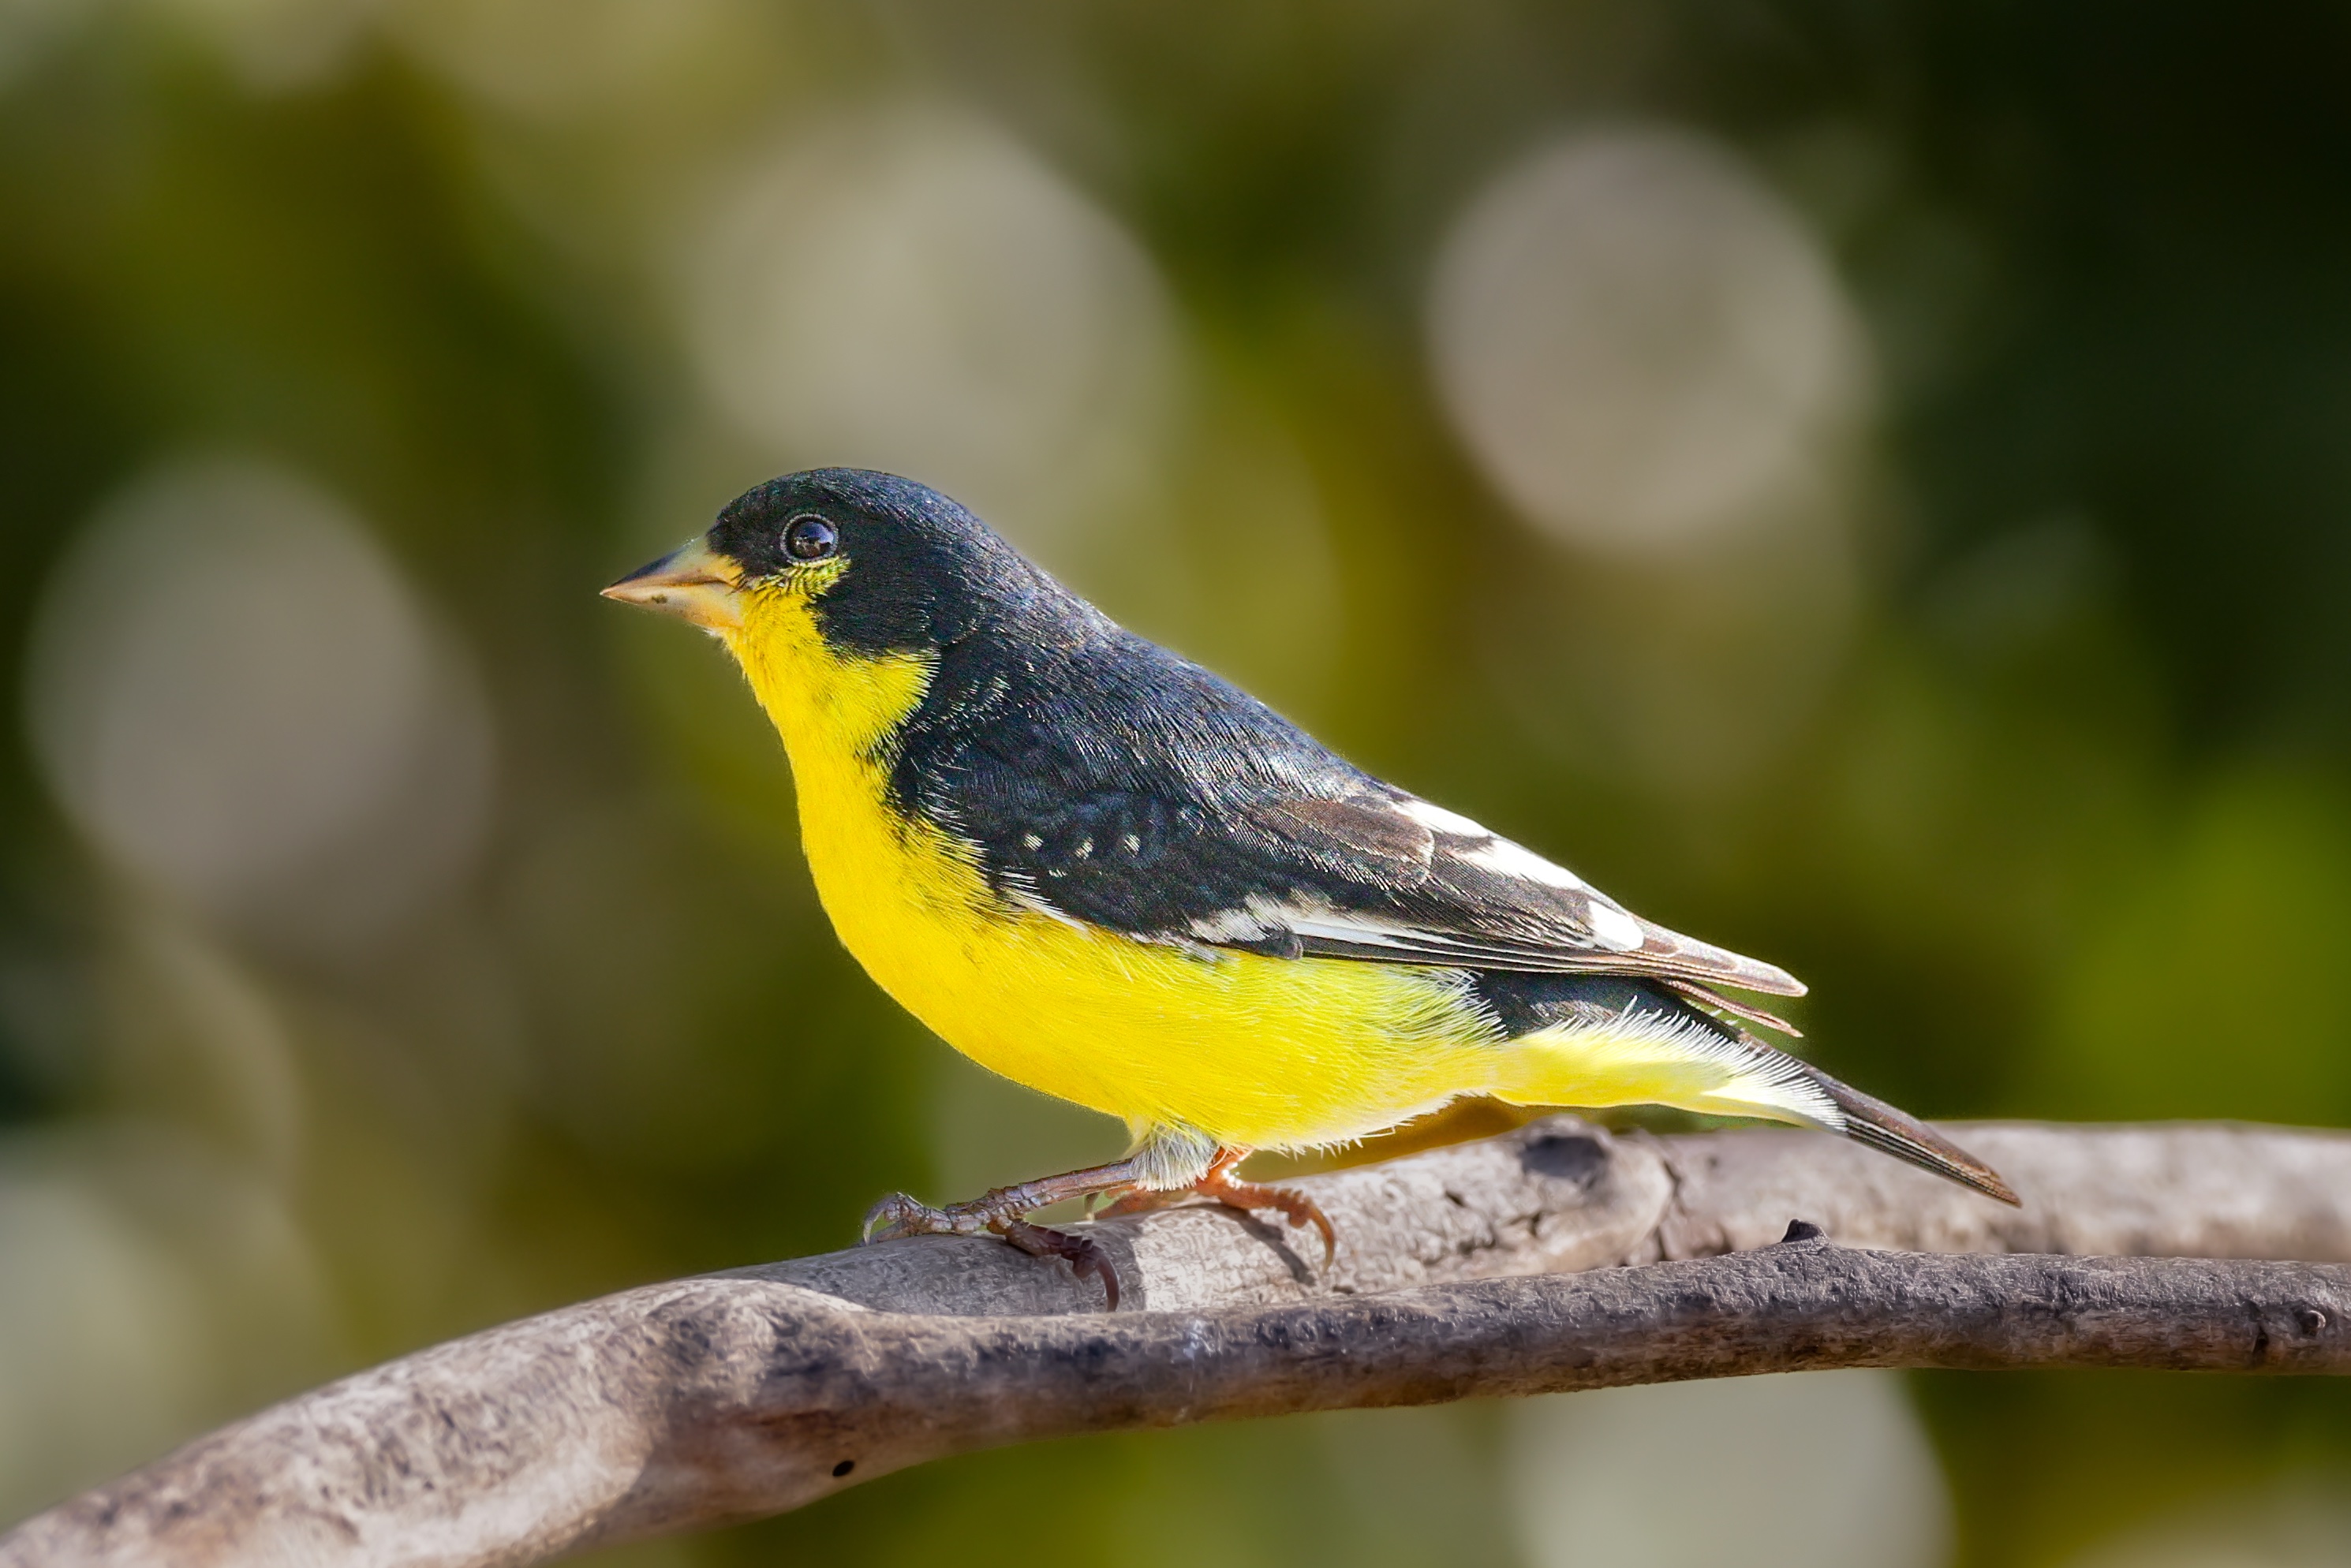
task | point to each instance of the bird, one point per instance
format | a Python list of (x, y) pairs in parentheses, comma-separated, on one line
[(1102, 870)]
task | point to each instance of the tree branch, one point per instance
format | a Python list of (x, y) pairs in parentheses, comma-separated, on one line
[(693, 1402)]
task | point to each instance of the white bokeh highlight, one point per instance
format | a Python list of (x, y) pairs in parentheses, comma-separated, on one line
[(1639, 342), (912, 290), (1815, 1469), (239, 699)]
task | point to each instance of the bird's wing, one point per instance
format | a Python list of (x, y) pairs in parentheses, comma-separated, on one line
[(1264, 843), (1451, 891)]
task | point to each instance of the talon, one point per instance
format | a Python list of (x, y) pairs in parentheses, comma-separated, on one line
[(998, 1211), (1082, 1255), (1296, 1207), (890, 1219), (1244, 1196), (1301, 1209)]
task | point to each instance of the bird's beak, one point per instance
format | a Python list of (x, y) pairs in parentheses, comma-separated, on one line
[(693, 582)]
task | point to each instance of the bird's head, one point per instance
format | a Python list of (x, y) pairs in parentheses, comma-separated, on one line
[(854, 565), (837, 590)]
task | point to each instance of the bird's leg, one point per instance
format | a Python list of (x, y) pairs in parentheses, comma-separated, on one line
[(999, 1213), (1217, 1182)]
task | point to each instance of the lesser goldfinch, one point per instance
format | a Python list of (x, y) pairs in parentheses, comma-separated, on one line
[(1101, 870)]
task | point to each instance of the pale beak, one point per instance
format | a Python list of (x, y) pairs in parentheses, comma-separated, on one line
[(693, 582)]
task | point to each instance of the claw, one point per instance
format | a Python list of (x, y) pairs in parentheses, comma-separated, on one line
[(1083, 1255), (1296, 1207), (888, 1220), (1245, 1196), (999, 1211)]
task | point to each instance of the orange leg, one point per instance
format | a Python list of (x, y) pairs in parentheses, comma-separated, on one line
[(1246, 1196)]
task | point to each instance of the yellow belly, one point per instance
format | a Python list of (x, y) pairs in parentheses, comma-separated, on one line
[(1257, 1051), (1251, 1051), (1260, 1051)]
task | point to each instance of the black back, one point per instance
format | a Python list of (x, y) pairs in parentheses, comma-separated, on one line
[(1107, 780)]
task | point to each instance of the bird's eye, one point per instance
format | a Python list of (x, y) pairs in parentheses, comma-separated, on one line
[(810, 538)]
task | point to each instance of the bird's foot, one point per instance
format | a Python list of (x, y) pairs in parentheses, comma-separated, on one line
[(996, 1213), (1083, 1255), (902, 1215), (1292, 1205), (1246, 1196)]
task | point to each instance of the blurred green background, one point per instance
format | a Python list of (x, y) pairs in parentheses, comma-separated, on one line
[(1868, 483)]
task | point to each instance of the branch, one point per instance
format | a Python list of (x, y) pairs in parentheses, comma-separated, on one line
[(703, 1400)]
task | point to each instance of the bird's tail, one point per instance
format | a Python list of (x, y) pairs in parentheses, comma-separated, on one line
[(1871, 1121), (1595, 1040)]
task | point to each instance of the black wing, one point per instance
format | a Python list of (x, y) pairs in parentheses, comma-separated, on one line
[(1121, 787)]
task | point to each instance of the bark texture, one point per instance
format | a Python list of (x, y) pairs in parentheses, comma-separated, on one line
[(1490, 1269)]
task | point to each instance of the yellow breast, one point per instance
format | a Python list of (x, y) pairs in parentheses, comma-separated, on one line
[(1252, 1050)]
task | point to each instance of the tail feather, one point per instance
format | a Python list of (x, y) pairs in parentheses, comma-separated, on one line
[(1871, 1121), (1603, 1039), (1865, 1119)]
